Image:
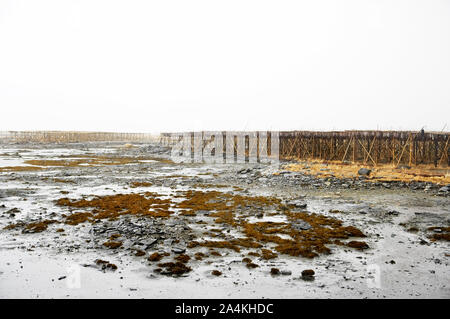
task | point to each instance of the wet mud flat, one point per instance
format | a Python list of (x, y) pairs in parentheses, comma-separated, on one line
[(112, 220)]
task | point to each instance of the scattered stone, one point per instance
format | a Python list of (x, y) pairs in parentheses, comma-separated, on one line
[(105, 265), (151, 242), (308, 274), (301, 225), (445, 189), (275, 271), (216, 273), (358, 245), (13, 211), (178, 250), (364, 171), (298, 204)]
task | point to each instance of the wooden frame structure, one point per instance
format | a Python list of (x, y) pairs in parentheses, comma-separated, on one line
[(72, 137), (368, 147)]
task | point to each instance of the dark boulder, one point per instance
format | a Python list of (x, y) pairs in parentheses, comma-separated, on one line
[(364, 171)]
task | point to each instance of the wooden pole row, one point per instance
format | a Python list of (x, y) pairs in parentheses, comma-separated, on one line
[(72, 137), (368, 147)]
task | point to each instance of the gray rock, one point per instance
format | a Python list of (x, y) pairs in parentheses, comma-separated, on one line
[(150, 243), (308, 275), (444, 189), (178, 250), (13, 211), (244, 171), (364, 171), (298, 203), (301, 225)]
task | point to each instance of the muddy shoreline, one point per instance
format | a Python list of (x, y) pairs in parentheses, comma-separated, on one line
[(254, 211)]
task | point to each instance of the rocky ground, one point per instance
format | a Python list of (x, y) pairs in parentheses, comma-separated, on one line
[(106, 220)]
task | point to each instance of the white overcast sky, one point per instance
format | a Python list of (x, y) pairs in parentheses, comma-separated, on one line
[(169, 65)]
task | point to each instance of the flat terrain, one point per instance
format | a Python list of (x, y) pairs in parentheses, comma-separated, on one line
[(103, 220)]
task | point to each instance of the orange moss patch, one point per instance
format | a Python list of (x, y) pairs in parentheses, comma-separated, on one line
[(251, 265), (215, 253), (289, 238), (357, 244), (223, 204), (307, 243), (139, 253), (214, 244), (78, 218), (233, 244), (177, 268), (12, 226), (183, 258), (155, 257), (252, 253), (113, 206), (112, 244), (199, 256), (38, 227), (268, 254), (140, 184), (441, 237)]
